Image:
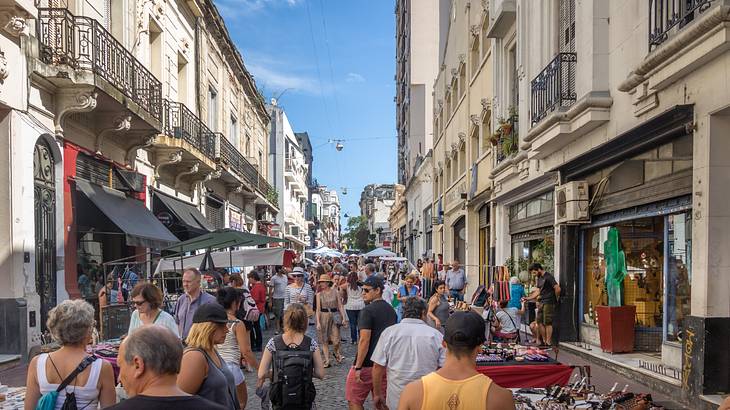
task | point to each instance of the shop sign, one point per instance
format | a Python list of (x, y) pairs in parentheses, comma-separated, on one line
[(235, 220), (165, 218)]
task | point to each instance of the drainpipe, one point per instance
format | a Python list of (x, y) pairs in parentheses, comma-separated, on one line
[(198, 63)]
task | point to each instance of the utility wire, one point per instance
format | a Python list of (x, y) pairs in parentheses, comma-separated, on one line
[(329, 58), (319, 72)]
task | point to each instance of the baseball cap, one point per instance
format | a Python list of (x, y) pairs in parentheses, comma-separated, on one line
[(210, 312), (464, 329), (373, 281)]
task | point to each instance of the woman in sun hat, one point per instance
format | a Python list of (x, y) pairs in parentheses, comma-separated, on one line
[(329, 306)]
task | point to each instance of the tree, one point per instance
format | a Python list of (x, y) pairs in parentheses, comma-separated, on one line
[(358, 234)]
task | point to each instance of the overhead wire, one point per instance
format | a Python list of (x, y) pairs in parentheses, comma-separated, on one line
[(319, 71), (329, 59)]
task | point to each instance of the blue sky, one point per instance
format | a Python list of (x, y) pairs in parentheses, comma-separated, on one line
[(339, 74)]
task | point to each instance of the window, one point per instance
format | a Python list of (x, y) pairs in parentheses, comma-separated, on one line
[(485, 39), (182, 79), (462, 80), (233, 133), (449, 176), (212, 108), (474, 56), (513, 77), (475, 144), (538, 205), (155, 47), (462, 158), (486, 133), (261, 162), (679, 273), (248, 145)]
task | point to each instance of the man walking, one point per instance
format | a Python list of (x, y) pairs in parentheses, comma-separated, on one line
[(456, 281), (278, 284), (189, 302), (427, 274), (374, 319), (407, 351), (458, 384), (149, 361), (548, 294)]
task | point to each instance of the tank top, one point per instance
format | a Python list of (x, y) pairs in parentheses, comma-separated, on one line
[(86, 396), (219, 385), (442, 310), (354, 299), (229, 349), (440, 393)]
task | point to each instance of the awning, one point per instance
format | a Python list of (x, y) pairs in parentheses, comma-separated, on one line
[(140, 226), (221, 239), (239, 258), (186, 214)]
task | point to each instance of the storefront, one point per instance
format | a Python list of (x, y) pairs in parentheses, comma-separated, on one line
[(640, 188), (182, 218), (532, 235)]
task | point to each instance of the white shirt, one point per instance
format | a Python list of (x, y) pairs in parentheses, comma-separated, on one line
[(388, 295), (504, 316), (409, 350), (164, 319)]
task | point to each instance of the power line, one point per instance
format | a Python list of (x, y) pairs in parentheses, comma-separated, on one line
[(329, 58), (319, 72)]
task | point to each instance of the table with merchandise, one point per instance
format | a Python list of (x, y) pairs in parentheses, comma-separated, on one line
[(512, 365)]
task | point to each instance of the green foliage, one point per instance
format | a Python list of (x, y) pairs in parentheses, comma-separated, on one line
[(358, 235)]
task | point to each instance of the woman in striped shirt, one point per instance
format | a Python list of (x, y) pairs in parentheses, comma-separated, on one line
[(298, 291)]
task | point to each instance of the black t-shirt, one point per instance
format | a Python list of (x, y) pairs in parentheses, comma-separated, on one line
[(547, 283), (165, 403), (376, 317)]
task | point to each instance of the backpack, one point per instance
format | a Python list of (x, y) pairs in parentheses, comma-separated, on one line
[(48, 400), (292, 384), (248, 311)]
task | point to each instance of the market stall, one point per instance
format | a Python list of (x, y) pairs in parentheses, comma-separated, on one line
[(513, 365)]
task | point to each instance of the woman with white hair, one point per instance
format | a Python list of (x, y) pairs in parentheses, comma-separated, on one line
[(71, 323)]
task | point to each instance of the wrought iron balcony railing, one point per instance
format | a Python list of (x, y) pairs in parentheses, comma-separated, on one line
[(230, 156), (665, 15), (554, 87), (179, 122), (83, 43)]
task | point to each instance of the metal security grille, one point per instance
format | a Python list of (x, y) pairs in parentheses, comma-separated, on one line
[(567, 26), (484, 216), (214, 212), (104, 173), (45, 228)]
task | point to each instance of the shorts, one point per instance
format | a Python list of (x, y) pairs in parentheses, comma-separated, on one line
[(545, 314), (278, 308), (356, 392), (235, 369)]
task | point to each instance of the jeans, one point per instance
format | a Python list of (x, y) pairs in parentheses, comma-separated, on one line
[(456, 295), (256, 336), (353, 316)]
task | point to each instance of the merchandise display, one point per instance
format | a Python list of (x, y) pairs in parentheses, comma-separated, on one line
[(11, 398), (511, 354)]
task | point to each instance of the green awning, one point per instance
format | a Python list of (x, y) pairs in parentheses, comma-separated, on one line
[(140, 226), (221, 239)]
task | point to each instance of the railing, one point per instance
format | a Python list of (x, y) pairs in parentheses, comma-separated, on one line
[(664, 15), (554, 87), (232, 157), (83, 43), (179, 122)]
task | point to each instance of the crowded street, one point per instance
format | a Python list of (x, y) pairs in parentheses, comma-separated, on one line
[(364, 204)]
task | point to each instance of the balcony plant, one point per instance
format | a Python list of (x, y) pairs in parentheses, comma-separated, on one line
[(615, 321)]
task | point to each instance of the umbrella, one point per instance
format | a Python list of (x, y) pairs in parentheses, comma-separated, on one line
[(379, 252), (239, 258), (222, 239)]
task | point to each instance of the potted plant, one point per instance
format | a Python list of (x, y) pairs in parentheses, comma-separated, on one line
[(495, 137), (615, 321)]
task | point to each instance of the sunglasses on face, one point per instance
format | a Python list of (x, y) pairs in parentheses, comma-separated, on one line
[(367, 290), (138, 302)]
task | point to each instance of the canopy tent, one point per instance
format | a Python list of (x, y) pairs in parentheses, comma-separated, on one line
[(325, 251), (393, 259), (379, 253), (221, 239), (239, 258)]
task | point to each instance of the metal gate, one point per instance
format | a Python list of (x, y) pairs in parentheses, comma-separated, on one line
[(45, 227)]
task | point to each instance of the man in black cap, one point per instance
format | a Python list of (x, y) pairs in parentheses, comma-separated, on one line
[(374, 319), (458, 382)]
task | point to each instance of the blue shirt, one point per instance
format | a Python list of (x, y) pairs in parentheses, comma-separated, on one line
[(185, 310), (516, 292)]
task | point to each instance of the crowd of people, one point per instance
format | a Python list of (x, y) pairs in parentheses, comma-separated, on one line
[(413, 349)]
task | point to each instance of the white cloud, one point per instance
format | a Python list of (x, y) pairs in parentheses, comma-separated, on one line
[(273, 80), (354, 78)]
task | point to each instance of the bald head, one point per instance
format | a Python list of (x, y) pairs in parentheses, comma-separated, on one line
[(157, 347)]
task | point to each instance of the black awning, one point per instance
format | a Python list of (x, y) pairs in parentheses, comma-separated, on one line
[(139, 225), (186, 215)]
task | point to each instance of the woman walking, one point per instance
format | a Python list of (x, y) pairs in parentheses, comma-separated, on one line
[(203, 371), (354, 304), (329, 306), (258, 292), (293, 338), (71, 324), (237, 343), (438, 306), (148, 298), (406, 290), (298, 291)]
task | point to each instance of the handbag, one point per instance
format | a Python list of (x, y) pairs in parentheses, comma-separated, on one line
[(48, 400)]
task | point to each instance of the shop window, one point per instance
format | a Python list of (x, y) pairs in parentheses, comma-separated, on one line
[(679, 273), (529, 247)]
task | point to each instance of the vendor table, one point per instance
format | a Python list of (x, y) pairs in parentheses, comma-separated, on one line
[(520, 374)]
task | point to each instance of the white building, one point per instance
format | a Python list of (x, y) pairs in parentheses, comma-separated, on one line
[(376, 200), (288, 166)]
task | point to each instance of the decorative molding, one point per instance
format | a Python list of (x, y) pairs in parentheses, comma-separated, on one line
[(172, 158), (455, 72), (462, 139), (122, 122), (462, 58), (3, 67), (443, 67), (131, 153), (475, 30), (73, 102), (486, 104), (13, 24), (214, 174), (192, 170), (475, 119)]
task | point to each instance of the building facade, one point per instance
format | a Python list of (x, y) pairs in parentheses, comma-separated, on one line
[(326, 213), (105, 134), (463, 154), (290, 173), (417, 64), (397, 222), (376, 200)]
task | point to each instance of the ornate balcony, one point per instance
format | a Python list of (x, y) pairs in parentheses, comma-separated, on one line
[(666, 16), (554, 87), (179, 122), (232, 159), (82, 43)]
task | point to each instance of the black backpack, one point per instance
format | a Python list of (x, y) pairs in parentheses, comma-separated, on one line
[(292, 384)]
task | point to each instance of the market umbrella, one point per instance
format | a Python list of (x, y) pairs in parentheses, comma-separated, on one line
[(221, 239), (378, 253)]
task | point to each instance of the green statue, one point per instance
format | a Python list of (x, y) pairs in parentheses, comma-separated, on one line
[(615, 267)]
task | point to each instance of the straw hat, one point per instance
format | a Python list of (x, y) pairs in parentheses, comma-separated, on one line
[(325, 278)]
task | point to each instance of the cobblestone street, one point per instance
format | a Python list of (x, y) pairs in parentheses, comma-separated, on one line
[(330, 391)]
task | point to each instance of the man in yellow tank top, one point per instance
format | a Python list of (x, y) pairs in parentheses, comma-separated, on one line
[(458, 385)]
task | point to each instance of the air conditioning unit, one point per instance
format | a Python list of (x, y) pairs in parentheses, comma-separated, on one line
[(571, 203)]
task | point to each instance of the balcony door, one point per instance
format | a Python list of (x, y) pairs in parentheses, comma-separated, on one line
[(44, 167)]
